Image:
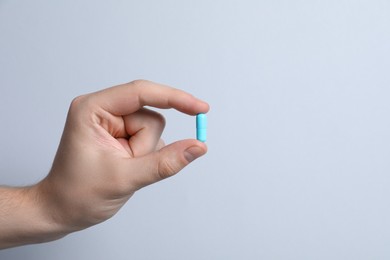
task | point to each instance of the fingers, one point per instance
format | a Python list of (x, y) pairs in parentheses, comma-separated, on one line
[(125, 103), (145, 128), (128, 98), (164, 163)]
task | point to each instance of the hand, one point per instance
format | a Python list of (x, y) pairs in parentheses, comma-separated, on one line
[(110, 148)]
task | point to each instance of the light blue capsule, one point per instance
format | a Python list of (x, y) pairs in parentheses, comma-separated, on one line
[(201, 127)]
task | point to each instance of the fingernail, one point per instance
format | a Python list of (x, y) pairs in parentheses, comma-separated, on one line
[(192, 153)]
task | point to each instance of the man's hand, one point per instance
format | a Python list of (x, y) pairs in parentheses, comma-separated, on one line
[(110, 148)]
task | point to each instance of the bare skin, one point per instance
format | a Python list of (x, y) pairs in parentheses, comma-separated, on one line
[(110, 148)]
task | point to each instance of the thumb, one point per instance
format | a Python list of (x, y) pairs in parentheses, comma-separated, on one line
[(165, 162)]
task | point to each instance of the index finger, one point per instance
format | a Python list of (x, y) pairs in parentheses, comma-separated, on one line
[(128, 98)]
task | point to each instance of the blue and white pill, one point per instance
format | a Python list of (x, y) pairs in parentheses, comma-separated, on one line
[(201, 127)]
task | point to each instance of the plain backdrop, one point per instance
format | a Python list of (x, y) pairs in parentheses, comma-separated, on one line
[(299, 133)]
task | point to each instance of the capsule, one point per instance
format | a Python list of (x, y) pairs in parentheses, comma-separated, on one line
[(201, 127)]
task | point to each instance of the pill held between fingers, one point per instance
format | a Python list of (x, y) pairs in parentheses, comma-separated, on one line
[(201, 127)]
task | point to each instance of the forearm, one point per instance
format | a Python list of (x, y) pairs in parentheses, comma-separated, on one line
[(25, 218)]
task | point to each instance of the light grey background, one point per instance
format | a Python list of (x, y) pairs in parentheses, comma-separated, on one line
[(298, 164)]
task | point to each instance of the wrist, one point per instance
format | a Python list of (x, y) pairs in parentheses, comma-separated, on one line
[(47, 228), (26, 217)]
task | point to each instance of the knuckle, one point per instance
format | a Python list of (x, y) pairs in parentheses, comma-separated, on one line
[(154, 119), (159, 119), (167, 168), (75, 106), (77, 101), (139, 82), (82, 110), (138, 88)]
